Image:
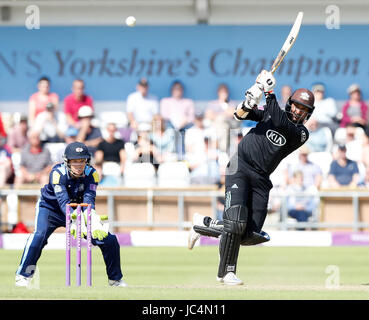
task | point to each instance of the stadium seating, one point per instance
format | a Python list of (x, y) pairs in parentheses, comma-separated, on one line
[(340, 135), (111, 174), (173, 174), (139, 175), (130, 150)]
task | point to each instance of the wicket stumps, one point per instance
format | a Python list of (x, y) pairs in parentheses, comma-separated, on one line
[(79, 207)]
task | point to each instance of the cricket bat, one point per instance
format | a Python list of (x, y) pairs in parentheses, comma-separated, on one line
[(288, 43), (292, 36)]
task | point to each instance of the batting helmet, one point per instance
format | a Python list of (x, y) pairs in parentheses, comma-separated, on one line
[(301, 97)]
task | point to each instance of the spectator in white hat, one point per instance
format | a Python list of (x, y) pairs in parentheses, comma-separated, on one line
[(88, 134)]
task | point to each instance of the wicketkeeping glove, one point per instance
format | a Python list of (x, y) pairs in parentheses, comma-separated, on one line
[(99, 225), (73, 225)]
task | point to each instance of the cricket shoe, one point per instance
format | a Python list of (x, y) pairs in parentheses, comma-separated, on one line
[(22, 281), (118, 283), (230, 279), (193, 236)]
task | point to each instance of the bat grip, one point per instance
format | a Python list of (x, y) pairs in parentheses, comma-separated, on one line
[(241, 114)]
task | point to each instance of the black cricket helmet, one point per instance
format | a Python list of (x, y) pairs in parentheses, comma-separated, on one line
[(303, 97), (76, 150)]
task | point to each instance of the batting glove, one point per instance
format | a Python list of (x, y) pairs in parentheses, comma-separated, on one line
[(252, 100), (266, 82), (253, 97)]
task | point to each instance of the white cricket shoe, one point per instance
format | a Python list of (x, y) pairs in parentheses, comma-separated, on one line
[(193, 236), (230, 279), (22, 281), (118, 283)]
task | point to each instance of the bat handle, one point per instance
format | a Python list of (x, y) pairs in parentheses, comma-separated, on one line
[(240, 113)]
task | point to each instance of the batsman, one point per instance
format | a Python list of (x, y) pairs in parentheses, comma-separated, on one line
[(247, 185), (73, 181)]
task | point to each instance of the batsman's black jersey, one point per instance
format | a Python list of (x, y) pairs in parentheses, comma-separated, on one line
[(273, 138)]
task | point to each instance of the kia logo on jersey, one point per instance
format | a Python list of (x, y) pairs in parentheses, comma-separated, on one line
[(276, 138)]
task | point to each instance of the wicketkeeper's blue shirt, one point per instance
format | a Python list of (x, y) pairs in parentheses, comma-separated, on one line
[(63, 189)]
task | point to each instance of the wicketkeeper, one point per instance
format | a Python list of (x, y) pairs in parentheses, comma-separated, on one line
[(247, 186), (73, 181)]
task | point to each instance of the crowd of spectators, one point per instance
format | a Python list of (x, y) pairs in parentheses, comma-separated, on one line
[(171, 129)]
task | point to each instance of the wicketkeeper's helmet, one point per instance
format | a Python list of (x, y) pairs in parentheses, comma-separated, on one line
[(302, 97), (76, 150)]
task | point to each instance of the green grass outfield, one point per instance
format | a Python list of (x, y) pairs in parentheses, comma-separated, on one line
[(180, 274)]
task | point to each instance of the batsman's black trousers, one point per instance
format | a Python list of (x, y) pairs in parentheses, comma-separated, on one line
[(246, 187)]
